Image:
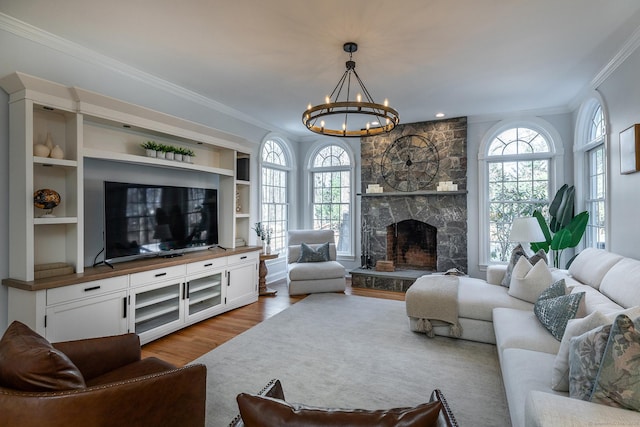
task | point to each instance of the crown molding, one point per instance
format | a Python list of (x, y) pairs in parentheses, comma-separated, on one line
[(630, 46), (45, 38), (627, 49)]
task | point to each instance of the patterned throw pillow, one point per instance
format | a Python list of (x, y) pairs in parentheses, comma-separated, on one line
[(308, 254), (554, 309), (517, 252), (618, 380), (575, 328), (585, 355)]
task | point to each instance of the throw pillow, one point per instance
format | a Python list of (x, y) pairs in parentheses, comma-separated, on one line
[(554, 309), (262, 411), (585, 354), (575, 327), (516, 253), (529, 281), (308, 254), (28, 362), (618, 380)]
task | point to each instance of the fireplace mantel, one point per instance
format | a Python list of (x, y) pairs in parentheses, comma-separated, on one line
[(415, 193)]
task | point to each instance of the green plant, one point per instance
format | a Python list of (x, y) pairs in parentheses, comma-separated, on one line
[(260, 231), (181, 150), (564, 230), (189, 152), (150, 145)]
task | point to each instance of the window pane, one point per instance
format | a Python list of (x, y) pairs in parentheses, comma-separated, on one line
[(273, 194), (332, 195), (516, 188)]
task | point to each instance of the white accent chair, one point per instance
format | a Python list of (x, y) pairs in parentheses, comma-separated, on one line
[(312, 277)]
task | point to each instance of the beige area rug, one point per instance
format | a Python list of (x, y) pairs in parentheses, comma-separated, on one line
[(355, 352)]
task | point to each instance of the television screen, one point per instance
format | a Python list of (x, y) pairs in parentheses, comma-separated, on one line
[(142, 219)]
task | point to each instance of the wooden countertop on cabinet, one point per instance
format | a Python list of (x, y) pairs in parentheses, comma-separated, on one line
[(121, 268)]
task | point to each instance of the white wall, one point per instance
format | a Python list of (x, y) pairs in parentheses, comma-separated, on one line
[(621, 94)]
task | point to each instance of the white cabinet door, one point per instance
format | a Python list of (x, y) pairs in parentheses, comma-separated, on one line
[(242, 284), (98, 316), (157, 309), (204, 296)]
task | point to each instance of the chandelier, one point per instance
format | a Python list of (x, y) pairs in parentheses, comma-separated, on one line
[(350, 117)]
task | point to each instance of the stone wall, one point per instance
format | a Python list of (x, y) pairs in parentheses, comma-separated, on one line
[(447, 211)]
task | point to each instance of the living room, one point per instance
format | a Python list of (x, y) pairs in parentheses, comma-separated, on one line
[(38, 40)]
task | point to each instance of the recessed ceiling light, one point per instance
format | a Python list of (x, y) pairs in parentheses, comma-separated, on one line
[(439, 115)]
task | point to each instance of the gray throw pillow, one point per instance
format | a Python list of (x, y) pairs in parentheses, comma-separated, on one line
[(308, 254), (554, 309), (518, 252)]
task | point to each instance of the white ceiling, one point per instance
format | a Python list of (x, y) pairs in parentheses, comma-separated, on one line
[(268, 59)]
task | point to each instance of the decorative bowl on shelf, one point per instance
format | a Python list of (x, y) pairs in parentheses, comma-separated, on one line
[(46, 199)]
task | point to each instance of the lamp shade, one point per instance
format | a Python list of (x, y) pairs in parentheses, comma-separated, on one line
[(526, 229)]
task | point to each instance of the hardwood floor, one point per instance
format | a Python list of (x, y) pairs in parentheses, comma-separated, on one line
[(187, 344)]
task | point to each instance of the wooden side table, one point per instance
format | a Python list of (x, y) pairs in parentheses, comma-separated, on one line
[(262, 275)]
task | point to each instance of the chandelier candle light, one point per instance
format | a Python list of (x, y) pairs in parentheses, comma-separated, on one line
[(359, 117)]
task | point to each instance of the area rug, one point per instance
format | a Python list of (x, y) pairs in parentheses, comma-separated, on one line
[(354, 352)]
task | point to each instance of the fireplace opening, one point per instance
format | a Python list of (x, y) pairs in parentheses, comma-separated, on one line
[(412, 244)]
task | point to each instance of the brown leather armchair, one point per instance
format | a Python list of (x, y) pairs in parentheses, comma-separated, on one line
[(121, 390), (275, 411)]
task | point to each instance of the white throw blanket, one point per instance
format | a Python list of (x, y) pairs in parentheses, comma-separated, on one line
[(433, 300)]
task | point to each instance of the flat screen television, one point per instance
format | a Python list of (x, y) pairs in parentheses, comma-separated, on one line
[(157, 220)]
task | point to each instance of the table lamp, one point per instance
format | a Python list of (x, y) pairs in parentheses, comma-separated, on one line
[(525, 230)]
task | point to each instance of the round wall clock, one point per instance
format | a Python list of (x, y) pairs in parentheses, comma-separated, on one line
[(410, 163)]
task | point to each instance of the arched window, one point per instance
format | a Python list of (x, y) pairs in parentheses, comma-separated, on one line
[(590, 166), (332, 170), (274, 192), (516, 166)]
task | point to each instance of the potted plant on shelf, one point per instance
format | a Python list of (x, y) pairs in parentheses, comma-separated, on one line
[(188, 155), (564, 230), (179, 154), (151, 148), (170, 152)]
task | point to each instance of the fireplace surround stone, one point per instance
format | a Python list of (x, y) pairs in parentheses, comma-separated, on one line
[(444, 213)]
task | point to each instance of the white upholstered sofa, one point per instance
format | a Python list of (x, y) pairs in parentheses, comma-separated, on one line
[(311, 277), (527, 351)]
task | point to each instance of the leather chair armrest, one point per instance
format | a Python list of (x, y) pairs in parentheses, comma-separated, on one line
[(173, 398), (96, 356), (446, 418), (272, 389)]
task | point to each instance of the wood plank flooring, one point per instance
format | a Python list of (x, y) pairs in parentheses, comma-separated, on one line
[(186, 345)]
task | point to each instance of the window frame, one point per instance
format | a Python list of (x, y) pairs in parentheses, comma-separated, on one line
[(288, 169), (555, 157), (351, 168), (583, 146)]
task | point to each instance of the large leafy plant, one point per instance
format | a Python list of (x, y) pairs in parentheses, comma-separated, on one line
[(564, 229)]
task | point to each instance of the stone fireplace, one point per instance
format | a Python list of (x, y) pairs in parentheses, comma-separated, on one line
[(419, 231)]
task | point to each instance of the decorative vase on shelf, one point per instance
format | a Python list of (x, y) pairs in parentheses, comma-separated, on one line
[(161, 154), (46, 199), (186, 158), (49, 141), (41, 150), (169, 155), (267, 249), (177, 157), (150, 152), (57, 153)]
